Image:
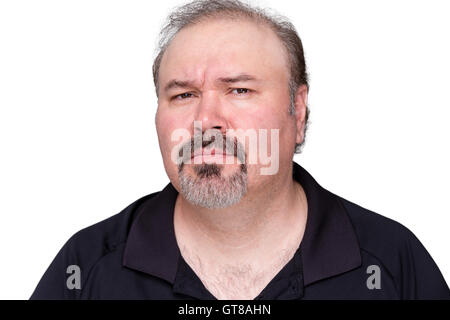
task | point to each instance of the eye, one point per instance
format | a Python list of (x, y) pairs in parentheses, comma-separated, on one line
[(182, 96), (240, 91)]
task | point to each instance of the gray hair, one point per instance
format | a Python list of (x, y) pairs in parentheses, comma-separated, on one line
[(200, 10)]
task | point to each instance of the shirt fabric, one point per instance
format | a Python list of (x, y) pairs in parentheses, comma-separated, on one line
[(347, 252)]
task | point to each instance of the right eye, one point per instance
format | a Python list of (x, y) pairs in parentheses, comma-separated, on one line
[(182, 96)]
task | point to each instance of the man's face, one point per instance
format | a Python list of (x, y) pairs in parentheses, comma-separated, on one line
[(225, 75)]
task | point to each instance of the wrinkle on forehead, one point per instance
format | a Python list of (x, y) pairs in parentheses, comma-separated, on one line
[(208, 50)]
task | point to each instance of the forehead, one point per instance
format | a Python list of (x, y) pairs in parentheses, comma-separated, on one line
[(220, 47)]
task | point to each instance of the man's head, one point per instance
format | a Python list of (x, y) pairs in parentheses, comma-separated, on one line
[(225, 66)]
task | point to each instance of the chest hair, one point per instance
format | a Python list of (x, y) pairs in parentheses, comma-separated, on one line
[(237, 281)]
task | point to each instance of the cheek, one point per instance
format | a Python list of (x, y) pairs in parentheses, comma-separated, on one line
[(275, 118), (165, 126), (267, 117), (172, 132)]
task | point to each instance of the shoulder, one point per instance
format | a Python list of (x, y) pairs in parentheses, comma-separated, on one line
[(398, 250), (84, 250), (374, 231), (105, 236)]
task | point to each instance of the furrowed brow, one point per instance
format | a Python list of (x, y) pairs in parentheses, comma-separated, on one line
[(238, 78), (174, 83)]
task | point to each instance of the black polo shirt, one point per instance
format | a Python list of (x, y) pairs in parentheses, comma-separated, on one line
[(347, 252)]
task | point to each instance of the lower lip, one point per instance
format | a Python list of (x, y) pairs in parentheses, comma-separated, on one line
[(215, 158)]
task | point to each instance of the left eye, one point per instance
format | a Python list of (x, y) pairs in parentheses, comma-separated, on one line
[(241, 90)]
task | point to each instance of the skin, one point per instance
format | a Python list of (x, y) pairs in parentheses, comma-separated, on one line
[(268, 223)]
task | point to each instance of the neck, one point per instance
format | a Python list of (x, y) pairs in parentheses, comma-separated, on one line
[(263, 222)]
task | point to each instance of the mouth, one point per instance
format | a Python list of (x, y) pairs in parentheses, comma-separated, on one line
[(211, 156)]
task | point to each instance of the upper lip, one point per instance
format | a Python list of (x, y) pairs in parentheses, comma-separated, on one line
[(211, 152)]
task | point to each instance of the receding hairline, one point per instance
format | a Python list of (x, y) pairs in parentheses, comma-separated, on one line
[(237, 17)]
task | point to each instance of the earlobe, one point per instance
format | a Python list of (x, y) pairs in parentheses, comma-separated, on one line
[(300, 132)]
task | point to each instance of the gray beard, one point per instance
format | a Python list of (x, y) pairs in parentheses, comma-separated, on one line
[(209, 189)]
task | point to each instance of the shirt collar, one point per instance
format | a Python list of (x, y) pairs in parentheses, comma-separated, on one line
[(329, 246)]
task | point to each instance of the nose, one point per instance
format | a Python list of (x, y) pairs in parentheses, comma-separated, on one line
[(210, 113)]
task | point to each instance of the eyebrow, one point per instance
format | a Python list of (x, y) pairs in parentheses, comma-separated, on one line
[(175, 83), (239, 78), (178, 84)]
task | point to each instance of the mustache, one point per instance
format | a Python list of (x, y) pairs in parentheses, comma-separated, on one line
[(218, 141)]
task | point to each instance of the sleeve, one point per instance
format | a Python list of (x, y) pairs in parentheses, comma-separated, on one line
[(421, 277), (63, 278)]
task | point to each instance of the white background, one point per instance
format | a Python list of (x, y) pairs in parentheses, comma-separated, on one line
[(77, 106)]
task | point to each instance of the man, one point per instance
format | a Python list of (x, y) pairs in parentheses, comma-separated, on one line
[(234, 222)]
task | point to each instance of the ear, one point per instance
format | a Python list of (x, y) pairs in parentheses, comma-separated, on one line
[(301, 102)]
